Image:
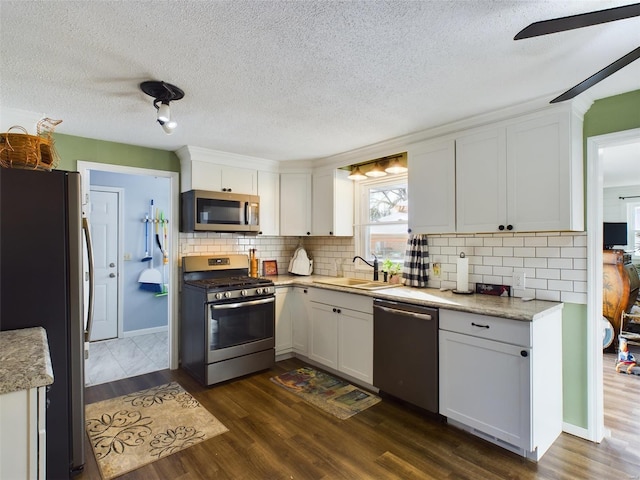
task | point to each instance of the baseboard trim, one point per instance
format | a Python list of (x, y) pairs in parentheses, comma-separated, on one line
[(145, 331)]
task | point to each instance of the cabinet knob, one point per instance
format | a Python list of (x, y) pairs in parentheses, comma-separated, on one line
[(229, 190), (330, 233), (335, 310), (224, 189), (112, 275), (408, 230), (260, 232), (308, 233), (501, 227), (524, 353), (509, 227)]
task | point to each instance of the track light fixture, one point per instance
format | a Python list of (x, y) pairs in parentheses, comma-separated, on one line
[(163, 93)]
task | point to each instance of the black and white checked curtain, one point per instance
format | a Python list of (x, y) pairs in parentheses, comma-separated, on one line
[(416, 261)]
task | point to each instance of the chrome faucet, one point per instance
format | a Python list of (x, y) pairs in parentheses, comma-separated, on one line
[(374, 265)]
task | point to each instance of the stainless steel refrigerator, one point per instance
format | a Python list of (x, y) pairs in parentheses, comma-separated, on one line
[(41, 284)]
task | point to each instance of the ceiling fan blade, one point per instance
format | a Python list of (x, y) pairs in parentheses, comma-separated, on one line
[(597, 77), (578, 21)]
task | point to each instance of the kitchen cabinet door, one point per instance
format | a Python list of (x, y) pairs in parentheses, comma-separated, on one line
[(323, 334), (269, 192), (431, 183), (204, 175), (481, 181), (295, 204), (332, 205), (355, 348), (284, 320), (300, 315), (544, 176), (486, 385)]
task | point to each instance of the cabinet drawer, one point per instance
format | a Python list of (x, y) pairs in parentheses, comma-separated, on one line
[(352, 301), (484, 326)]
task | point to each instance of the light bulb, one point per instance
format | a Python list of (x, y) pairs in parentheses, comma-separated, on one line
[(396, 167), (375, 172), (164, 114), (356, 175), (169, 127)]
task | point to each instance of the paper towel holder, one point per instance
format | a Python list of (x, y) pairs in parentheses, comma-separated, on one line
[(462, 292)]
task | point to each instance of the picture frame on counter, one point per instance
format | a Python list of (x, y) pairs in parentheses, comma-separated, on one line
[(269, 267)]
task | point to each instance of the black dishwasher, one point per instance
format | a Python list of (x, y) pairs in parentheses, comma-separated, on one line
[(405, 352)]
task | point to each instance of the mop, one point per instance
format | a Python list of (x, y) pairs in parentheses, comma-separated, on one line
[(151, 279), (165, 256)]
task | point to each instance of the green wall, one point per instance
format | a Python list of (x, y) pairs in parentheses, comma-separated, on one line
[(72, 148), (608, 115)]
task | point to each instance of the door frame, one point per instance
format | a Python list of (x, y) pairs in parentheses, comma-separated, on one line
[(85, 167), (120, 248), (595, 391)]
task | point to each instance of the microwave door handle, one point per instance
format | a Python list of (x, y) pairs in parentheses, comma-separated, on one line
[(247, 214)]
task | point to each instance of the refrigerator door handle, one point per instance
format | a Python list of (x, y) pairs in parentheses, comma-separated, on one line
[(87, 237)]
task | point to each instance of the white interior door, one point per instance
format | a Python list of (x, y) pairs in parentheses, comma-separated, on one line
[(104, 223)]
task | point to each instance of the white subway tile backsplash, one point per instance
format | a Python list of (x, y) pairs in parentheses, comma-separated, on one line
[(548, 273), (524, 252), (547, 252), (561, 241), (562, 263), (554, 263), (535, 262), (535, 241)]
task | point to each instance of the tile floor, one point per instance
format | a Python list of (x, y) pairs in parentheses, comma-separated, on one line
[(119, 358)]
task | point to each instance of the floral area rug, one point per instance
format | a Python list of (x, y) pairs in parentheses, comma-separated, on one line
[(328, 393), (134, 430)]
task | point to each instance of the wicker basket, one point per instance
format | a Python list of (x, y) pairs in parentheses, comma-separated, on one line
[(36, 152)]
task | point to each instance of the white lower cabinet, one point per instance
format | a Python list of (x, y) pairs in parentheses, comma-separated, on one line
[(341, 332), (23, 434), (284, 320), (300, 316), (501, 379)]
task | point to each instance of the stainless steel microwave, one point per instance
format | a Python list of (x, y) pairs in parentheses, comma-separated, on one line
[(219, 212)]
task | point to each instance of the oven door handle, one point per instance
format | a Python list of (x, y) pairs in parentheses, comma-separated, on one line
[(227, 306)]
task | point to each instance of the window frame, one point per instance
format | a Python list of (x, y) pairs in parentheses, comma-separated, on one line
[(361, 220)]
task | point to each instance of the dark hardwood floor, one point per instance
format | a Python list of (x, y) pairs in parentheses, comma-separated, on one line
[(275, 435)]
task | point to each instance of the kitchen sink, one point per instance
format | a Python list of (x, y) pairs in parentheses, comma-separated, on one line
[(356, 283)]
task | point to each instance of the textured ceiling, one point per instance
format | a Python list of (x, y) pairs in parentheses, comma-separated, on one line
[(297, 79)]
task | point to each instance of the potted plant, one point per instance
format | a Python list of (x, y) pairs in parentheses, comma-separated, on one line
[(391, 271)]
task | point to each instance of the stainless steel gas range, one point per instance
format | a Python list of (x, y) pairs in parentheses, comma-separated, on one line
[(228, 319)]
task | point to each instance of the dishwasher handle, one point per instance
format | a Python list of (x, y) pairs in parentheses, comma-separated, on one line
[(420, 316)]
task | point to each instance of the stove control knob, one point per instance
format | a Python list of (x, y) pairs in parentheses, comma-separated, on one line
[(227, 294), (258, 291), (218, 295), (243, 293)]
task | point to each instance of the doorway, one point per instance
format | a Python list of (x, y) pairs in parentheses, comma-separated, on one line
[(596, 147), (105, 222), (145, 319)]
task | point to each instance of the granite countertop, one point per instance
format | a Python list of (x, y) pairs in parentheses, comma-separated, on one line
[(506, 307), (24, 360)]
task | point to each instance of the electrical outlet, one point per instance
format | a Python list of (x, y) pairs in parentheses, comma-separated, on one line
[(436, 269), (519, 280), (127, 257)]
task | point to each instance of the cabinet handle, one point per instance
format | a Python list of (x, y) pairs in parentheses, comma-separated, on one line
[(509, 227), (501, 227), (479, 325), (524, 353)]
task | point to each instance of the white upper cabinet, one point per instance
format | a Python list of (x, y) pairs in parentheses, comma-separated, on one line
[(222, 178), (432, 206), (520, 175), (295, 204), (481, 181), (269, 193), (332, 204), (202, 169)]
